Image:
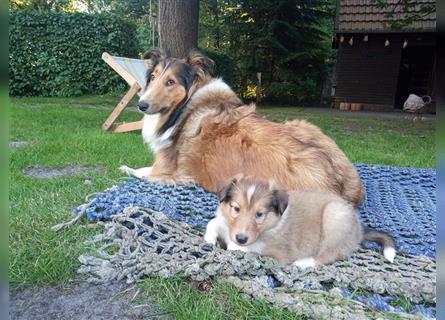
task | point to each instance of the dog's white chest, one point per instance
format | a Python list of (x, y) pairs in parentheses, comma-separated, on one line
[(149, 128), (150, 134)]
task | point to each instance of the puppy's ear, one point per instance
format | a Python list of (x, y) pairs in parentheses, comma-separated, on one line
[(153, 56), (202, 65), (280, 200), (225, 191)]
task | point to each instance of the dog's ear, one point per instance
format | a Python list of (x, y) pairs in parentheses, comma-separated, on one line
[(225, 191), (202, 65), (153, 56), (280, 201)]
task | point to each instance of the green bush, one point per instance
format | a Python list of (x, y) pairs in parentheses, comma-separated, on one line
[(301, 91), (224, 67), (59, 54)]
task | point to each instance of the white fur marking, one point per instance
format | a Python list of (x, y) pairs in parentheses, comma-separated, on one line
[(217, 227), (150, 136), (149, 128), (144, 96), (211, 231), (233, 246), (305, 263), (215, 85), (389, 253), (250, 192), (138, 173), (165, 68)]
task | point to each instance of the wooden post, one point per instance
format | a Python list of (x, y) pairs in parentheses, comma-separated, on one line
[(258, 88), (121, 106)]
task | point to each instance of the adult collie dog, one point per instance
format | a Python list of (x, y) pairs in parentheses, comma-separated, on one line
[(201, 132)]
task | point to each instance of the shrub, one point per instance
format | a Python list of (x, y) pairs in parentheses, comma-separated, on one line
[(288, 92), (224, 67), (59, 54)]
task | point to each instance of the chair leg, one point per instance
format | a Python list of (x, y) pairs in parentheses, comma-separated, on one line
[(125, 127), (121, 106)]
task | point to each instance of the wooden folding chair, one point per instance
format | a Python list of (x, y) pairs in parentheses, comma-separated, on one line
[(133, 71)]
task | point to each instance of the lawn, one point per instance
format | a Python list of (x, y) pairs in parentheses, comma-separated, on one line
[(68, 131)]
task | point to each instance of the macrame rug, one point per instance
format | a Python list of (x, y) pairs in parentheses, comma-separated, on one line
[(157, 230)]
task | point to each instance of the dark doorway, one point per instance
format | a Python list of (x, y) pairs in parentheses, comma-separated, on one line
[(415, 74)]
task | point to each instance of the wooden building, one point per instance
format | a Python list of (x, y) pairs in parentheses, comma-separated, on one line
[(378, 66)]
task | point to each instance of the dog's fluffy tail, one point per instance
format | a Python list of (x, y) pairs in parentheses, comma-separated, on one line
[(384, 239)]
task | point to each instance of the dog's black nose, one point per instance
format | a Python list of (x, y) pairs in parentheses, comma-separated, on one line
[(143, 106), (241, 238)]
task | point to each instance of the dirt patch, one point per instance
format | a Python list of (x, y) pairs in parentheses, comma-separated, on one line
[(18, 144), (83, 301), (39, 172)]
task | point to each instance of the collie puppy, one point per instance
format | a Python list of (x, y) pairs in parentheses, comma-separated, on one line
[(303, 228), (200, 132)]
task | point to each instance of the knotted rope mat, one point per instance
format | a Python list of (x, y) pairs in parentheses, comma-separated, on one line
[(142, 242)]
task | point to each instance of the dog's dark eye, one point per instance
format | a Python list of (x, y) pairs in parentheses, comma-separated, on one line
[(259, 215), (236, 209), (170, 82), (152, 76)]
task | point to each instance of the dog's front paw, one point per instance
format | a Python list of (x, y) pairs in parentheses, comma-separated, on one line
[(126, 170)]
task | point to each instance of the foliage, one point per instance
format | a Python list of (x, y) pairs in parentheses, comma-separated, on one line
[(224, 66), (43, 5), (288, 41), (141, 12), (404, 12), (59, 54)]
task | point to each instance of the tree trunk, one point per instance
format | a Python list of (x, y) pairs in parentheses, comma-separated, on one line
[(214, 9), (178, 26)]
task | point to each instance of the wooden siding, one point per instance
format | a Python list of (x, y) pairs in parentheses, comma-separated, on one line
[(367, 72)]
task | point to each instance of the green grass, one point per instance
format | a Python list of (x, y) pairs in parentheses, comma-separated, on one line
[(68, 131), (398, 142), (222, 301)]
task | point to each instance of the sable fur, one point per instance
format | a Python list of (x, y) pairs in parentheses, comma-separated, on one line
[(305, 228), (214, 135)]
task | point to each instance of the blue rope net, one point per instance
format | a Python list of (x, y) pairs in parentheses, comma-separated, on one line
[(401, 201)]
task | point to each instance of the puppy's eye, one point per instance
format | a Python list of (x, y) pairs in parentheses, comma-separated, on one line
[(259, 215), (235, 208), (152, 76), (170, 82)]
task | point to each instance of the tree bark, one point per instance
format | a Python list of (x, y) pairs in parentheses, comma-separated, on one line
[(214, 9), (178, 26)]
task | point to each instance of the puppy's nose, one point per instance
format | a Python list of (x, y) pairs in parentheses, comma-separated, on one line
[(143, 106), (241, 238)]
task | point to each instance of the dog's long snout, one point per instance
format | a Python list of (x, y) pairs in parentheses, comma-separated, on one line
[(142, 106), (241, 238)]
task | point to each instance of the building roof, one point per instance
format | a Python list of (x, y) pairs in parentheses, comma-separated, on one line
[(366, 16)]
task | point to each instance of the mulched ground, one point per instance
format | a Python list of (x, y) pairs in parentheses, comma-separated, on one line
[(40, 172), (83, 301)]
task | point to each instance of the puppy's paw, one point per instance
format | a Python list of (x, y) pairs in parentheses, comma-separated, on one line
[(389, 254), (304, 263), (233, 246), (211, 234)]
